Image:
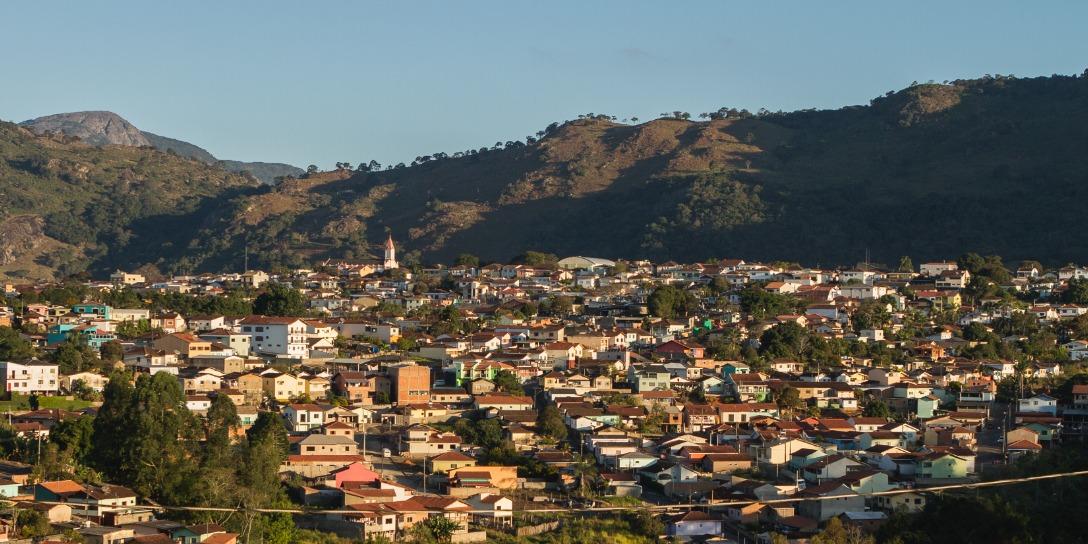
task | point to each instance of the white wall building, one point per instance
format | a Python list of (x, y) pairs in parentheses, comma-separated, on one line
[(35, 377)]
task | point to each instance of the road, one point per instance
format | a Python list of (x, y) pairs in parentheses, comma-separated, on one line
[(990, 437), (387, 467)]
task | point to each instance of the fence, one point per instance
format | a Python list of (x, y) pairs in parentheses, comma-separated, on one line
[(530, 530)]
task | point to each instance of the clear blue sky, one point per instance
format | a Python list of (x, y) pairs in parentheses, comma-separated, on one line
[(320, 82)]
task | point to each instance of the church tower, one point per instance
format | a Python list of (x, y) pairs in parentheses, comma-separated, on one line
[(390, 254)]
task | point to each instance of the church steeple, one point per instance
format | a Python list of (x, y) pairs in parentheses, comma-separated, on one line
[(390, 254)]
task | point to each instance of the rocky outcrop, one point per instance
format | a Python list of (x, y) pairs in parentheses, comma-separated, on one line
[(93, 127), (20, 235)]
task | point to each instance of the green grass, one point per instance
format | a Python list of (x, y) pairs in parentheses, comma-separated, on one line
[(21, 403)]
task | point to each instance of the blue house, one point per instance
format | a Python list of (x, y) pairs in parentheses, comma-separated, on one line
[(62, 331), (96, 310), (8, 488)]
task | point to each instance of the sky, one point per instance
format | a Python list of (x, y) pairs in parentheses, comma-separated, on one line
[(319, 82)]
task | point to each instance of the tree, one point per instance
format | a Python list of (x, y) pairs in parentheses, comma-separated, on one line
[(32, 524), (539, 259), (467, 259), (905, 264), (488, 433), (550, 423), (760, 303), (836, 533), (785, 340), (871, 314), (667, 302), (1076, 292), (876, 408), (788, 399), (442, 528), (75, 436), (112, 351), (111, 434), (69, 358), (269, 427), (381, 398), (13, 347), (219, 425), (280, 300), (507, 382), (143, 437)]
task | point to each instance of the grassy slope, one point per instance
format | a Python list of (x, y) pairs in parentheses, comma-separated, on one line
[(931, 171), (96, 204)]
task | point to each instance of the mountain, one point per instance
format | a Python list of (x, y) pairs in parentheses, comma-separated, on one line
[(185, 149), (993, 165), (66, 206), (108, 128), (93, 127)]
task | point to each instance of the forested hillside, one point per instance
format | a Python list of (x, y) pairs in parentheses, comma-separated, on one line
[(994, 165)]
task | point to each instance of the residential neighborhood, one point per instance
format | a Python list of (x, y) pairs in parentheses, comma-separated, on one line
[(730, 401)]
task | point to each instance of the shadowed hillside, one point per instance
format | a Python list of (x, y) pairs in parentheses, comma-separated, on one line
[(995, 165)]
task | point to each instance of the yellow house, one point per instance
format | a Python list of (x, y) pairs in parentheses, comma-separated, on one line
[(283, 387), (451, 460), (183, 343), (251, 386), (477, 476), (317, 386)]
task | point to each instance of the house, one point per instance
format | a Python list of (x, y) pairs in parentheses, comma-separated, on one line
[(281, 336), (281, 386), (30, 378), (89, 380), (828, 500), (667, 472), (726, 462), (450, 460), (304, 418), (491, 509), (323, 444), (502, 401), (829, 468), (942, 466), (354, 473), (357, 386), (902, 502), (95, 501), (1040, 403), (631, 460), (1022, 447), (183, 343), (498, 477), (694, 523)]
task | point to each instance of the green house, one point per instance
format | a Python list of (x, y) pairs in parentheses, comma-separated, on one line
[(939, 466), (1047, 433)]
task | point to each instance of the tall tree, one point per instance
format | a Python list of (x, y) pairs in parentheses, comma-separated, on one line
[(13, 347), (280, 300)]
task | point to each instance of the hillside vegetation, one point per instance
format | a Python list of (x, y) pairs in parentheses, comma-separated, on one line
[(107, 128), (993, 165), (65, 205)]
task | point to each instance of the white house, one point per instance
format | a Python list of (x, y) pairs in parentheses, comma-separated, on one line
[(34, 377), (277, 335), (1040, 403)]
